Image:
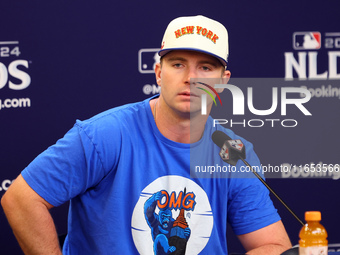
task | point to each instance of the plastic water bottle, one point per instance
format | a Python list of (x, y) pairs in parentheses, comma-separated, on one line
[(313, 236)]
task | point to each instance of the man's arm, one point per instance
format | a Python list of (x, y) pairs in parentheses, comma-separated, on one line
[(272, 240), (28, 214)]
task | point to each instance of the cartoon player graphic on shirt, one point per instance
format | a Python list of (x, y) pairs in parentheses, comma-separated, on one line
[(169, 235)]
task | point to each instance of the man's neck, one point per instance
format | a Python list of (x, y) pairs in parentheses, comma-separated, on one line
[(181, 128)]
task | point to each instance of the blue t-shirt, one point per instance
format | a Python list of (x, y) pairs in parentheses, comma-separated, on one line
[(131, 190)]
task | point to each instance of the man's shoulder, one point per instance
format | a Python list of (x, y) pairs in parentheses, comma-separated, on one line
[(127, 112)]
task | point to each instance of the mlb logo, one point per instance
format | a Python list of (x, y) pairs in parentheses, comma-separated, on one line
[(147, 59), (224, 152), (306, 40), (237, 144)]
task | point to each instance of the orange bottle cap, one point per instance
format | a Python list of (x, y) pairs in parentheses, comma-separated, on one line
[(313, 216)]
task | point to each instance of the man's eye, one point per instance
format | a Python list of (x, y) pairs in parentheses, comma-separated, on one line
[(177, 65), (206, 68)]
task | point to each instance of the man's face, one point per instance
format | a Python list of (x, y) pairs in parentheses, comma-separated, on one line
[(174, 74)]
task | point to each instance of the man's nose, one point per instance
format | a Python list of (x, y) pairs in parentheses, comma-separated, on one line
[(191, 73)]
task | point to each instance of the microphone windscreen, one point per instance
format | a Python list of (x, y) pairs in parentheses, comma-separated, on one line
[(219, 138)]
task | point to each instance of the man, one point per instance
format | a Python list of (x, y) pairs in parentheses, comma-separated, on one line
[(128, 167)]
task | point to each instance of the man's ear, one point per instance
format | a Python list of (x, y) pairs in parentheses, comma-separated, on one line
[(158, 70), (224, 80), (226, 74)]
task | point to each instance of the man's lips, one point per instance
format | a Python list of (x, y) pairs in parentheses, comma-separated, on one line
[(188, 94)]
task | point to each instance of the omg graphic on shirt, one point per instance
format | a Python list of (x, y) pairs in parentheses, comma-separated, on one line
[(172, 216)]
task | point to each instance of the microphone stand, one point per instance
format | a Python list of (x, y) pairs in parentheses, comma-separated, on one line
[(271, 190)]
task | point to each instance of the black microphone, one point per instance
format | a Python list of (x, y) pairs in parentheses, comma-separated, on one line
[(232, 150)]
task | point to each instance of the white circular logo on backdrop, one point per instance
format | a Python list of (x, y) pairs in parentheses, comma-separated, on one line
[(157, 222)]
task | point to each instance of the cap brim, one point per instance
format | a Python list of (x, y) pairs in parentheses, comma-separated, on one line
[(165, 51)]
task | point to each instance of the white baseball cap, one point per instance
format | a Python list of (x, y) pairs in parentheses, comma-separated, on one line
[(197, 33)]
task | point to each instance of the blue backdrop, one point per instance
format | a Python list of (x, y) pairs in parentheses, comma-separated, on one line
[(67, 60)]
